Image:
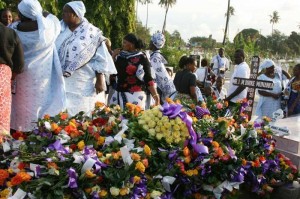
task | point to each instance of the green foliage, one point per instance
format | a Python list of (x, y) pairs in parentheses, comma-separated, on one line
[(174, 48), (208, 44), (142, 32)]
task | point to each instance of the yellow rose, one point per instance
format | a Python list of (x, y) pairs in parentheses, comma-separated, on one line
[(169, 140), (102, 193), (151, 132), (54, 126), (157, 129), (146, 127), (139, 166), (124, 191), (155, 194), (141, 121), (160, 115), (89, 174), (136, 179), (135, 156), (101, 140), (189, 173), (147, 150), (159, 136), (176, 134), (4, 193), (151, 124), (114, 191), (167, 125), (178, 120), (81, 145)]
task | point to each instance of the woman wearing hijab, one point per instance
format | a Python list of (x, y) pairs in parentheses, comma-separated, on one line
[(134, 74), (162, 78), (84, 58), (11, 61), (39, 89), (269, 101)]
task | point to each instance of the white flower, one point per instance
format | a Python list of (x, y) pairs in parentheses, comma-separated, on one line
[(114, 191)]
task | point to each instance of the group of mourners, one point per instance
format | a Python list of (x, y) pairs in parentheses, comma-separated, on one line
[(48, 66)]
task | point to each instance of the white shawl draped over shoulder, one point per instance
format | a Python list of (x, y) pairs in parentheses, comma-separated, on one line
[(82, 67)]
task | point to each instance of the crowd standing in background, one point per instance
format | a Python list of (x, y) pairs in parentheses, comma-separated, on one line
[(70, 64)]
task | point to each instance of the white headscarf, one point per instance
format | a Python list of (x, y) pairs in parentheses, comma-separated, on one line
[(158, 39), (78, 8), (266, 64), (33, 10)]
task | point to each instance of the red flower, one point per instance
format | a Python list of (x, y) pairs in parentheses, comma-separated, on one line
[(99, 122), (135, 89), (21, 165), (131, 69), (135, 60), (131, 80), (73, 147)]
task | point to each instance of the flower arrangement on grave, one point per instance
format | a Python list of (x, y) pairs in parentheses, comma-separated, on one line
[(172, 151)]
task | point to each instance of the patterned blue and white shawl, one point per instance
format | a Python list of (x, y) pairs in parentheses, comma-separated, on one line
[(80, 47)]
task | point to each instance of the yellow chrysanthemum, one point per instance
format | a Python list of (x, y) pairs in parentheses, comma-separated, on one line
[(89, 174), (140, 166), (102, 193), (147, 150), (81, 145)]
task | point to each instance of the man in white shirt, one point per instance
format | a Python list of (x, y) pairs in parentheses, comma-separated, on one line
[(242, 70), (220, 63)]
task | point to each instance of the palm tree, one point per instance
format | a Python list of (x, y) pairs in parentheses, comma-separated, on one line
[(274, 19), (167, 4), (227, 21), (143, 2), (231, 13), (147, 3)]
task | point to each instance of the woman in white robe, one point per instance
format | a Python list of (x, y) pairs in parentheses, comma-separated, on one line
[(40, 88), (269, 100), (84, 58)]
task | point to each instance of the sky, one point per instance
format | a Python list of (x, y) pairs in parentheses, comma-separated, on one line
[(207, 17)]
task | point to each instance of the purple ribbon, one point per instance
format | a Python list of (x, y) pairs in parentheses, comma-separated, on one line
[(174, 110), (58, 147), (200, 112), (72, 178)]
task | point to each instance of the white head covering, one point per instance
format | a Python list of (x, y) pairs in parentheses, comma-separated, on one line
[(32, 9), (266, 64), (78, 8), (158, 39)]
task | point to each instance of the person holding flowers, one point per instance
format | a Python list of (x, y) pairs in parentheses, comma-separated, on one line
[(269, 101), (134, 74), (84, 57), (293, 92)]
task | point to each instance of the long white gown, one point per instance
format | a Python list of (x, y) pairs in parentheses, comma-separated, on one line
[(40, 88)]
